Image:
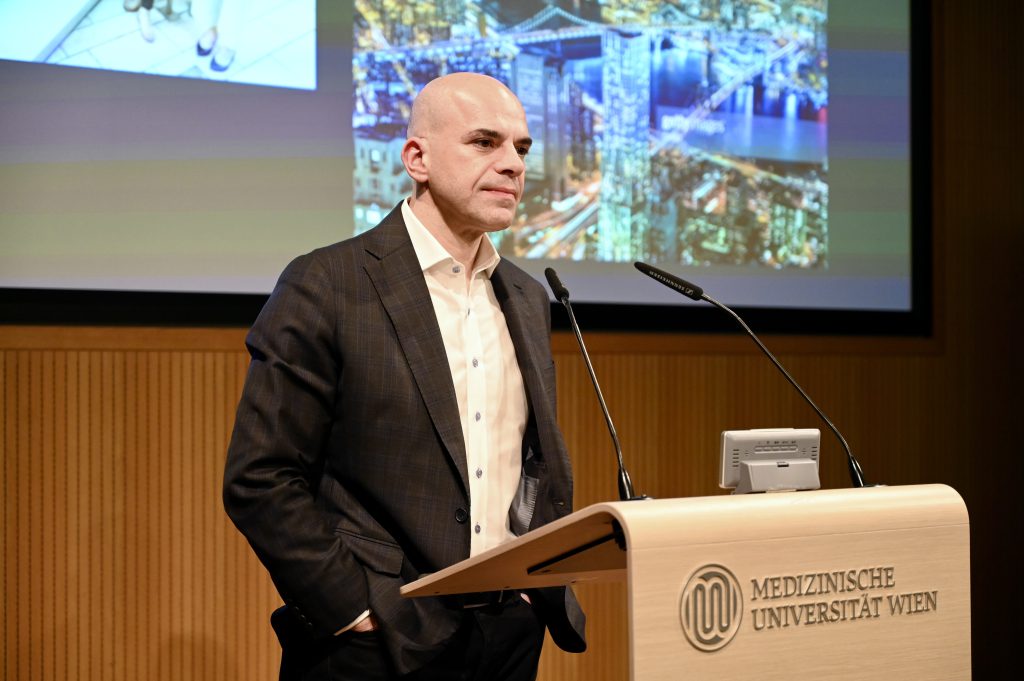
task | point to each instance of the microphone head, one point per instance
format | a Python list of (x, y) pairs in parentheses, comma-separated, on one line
[(557, 287), (689, 290)]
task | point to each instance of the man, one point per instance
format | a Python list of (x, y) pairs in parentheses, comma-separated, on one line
[(399, 416)]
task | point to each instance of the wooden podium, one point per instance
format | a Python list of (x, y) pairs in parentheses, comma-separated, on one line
[(833, 584)]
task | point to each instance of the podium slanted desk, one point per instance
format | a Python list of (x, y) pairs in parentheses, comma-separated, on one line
[(835, 584)]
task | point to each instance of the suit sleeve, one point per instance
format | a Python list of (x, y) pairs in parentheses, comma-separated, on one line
[(277, 450)]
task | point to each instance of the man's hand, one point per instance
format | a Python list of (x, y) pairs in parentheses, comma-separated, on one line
[(369, 623)]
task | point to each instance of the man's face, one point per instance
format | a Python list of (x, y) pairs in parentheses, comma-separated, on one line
[(474, 159)]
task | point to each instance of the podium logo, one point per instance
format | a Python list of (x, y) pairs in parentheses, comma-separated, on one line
[(711, 608)]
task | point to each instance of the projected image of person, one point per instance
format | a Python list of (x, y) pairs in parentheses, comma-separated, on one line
[(221, 20), (142, 9), (267, 43), (399, 416)]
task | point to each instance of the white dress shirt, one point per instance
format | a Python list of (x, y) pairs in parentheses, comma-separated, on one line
[(488, 384)]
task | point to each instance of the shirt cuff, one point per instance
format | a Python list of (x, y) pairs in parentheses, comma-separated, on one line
[(366, 613)]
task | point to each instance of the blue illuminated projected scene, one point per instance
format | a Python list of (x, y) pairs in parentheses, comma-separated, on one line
[(258, 42), (689, 132)]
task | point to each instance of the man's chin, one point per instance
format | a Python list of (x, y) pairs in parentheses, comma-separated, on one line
[(496, 221), (482, 218)]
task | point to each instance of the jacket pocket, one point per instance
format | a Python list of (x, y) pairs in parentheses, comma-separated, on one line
[(380, 556)]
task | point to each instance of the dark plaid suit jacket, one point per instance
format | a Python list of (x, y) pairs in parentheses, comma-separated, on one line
[(347, 469)]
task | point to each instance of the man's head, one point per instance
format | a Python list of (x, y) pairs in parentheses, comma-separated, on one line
[(465, 147)]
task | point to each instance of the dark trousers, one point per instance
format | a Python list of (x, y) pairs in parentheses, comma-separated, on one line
[(495, 643)]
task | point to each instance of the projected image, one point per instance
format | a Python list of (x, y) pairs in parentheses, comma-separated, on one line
[(259, 42), (690, 132)]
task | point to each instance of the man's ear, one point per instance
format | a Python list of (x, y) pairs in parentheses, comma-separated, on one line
[(414, 158)]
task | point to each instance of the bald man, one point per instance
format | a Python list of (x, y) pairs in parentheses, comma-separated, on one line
[(398, 416)]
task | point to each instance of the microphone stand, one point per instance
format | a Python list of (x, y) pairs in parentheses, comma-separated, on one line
[(695, 292), (625, 485)]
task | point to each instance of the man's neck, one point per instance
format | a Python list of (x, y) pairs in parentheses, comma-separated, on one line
[(463, 246)]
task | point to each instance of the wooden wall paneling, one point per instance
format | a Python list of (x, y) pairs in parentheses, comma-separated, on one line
[(28, 512), (7, 462), (113, 460), (45, 479), (192, 649), (205, 497), (5, 560), (87, 519), (153, 615), (94, 500), (54, 487), (23, 517), (112, 368), (57, 617), (11, 585), (17, 516), (130, 623), (201, 498), (33, 525), (203, 444), (227, 608), (61, 628), (75, 588), (113, 546)]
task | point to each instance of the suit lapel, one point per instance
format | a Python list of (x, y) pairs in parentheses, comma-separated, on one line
[(398, 279), (523, 325)]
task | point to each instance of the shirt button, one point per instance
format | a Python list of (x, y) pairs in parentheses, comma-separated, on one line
[(456, 269), (479, 473), (476, 362), (477, 417), (461, 516), (476, 528)]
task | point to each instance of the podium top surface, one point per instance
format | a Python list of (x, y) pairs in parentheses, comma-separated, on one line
[(593, 544)]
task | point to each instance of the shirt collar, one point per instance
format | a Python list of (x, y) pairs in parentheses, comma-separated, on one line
[(430, 252)]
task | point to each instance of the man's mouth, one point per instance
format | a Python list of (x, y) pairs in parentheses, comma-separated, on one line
[(502, 190)]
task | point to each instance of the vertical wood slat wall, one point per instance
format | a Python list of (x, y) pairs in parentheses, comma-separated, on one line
[(118, 560)]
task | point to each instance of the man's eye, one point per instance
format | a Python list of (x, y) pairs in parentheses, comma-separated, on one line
[(486, 143), (523, 151)]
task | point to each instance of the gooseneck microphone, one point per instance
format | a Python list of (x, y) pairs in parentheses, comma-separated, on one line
[(695, 292), (562, 294)]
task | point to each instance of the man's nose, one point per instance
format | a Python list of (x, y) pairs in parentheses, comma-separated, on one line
[(510, 162)]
